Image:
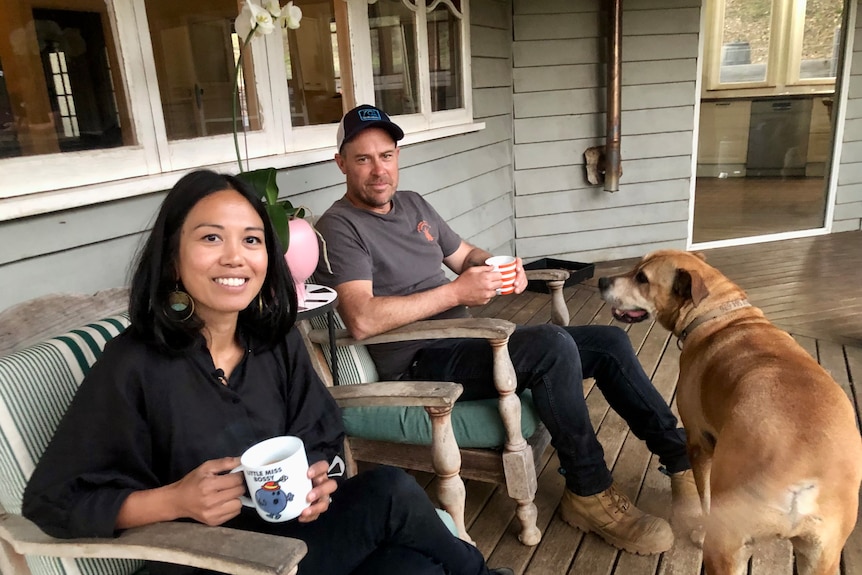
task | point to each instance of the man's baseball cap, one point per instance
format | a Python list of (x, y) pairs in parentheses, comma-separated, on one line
[(362, 117)]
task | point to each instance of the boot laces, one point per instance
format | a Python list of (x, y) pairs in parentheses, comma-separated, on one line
[(619, 502)]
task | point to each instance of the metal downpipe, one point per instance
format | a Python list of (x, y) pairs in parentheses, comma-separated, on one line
[(613, 161)]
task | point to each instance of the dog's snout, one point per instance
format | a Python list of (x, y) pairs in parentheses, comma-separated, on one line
[(604, 283)]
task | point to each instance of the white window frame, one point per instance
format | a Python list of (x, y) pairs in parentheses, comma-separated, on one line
[(787, 28), (52, 182), (186, 154), (363, 84)]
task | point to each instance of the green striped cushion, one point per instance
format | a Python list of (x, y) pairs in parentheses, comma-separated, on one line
[(36, 386), (354, 362)]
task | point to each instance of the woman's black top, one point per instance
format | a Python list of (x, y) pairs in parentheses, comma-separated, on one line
[(143, 419)]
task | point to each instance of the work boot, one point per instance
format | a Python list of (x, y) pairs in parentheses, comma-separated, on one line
[(613, 517), (687, 510)]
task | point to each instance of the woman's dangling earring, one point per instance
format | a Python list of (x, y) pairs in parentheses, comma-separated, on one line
[(180, 306), (260, 303)]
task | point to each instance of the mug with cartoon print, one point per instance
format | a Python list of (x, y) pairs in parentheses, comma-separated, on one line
[(276, 473)]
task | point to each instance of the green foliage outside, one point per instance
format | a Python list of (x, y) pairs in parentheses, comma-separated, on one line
[(750, 21)]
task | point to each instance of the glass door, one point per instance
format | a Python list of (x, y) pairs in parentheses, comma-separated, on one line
[(765, 132)]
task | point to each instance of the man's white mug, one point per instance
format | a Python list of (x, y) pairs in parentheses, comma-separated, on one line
[(506, 266), (276, 473)]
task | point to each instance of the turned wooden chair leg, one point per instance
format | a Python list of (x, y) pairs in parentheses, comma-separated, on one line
[(446, 461), (521, 486), (518, 462), (559, 309)]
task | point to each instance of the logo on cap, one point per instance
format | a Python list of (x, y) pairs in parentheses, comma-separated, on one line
[(368, 115)]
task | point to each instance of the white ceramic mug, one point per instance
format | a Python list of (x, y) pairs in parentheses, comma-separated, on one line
[(276, 473), (506, 266)]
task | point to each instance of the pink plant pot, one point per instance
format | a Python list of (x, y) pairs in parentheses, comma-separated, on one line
[(302, 254)]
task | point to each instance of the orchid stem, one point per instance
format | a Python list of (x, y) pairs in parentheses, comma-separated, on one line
[(236, 96)]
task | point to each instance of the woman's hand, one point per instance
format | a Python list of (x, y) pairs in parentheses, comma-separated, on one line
[(319, 496), (210, 493)]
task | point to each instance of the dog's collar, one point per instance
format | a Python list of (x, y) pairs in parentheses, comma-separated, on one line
[(717, 312)]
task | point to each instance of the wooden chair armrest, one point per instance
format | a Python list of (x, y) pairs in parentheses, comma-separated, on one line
[(398, 393), (548, 275), (487, 328), (216, 548)]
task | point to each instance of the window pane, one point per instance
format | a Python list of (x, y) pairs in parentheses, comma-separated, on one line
[(745, 40), (311, 62), (444, 52), (56, 89), (393, 56), (821, 40), (196, 51)]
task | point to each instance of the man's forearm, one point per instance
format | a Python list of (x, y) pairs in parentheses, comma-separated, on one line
[(476, 257), (366, 317)]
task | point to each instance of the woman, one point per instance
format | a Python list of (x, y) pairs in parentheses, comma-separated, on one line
[(210, 366)]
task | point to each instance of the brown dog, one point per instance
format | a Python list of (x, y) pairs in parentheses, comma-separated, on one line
[(771, 437)]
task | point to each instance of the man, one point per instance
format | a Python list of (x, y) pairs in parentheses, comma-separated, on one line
[(386, 248)]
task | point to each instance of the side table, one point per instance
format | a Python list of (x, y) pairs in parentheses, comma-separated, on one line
[(320, 299)]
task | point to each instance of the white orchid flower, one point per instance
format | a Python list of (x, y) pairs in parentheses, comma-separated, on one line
[(273, 7), (244, 22), (291, 15), (253, 18), (262, 18)]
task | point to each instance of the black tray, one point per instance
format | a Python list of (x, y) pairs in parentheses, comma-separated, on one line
[(580, 271)]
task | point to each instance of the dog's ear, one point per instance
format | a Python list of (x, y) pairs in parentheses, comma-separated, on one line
[(700, 255), (699, 290), (689, 285), (682, 284)]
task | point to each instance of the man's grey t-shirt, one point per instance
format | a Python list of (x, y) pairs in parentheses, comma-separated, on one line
[(400, 252)]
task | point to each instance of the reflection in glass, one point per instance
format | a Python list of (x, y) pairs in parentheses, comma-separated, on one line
[(762, 166), (821, 40), (195, 50), (311, 65), (444, 50), (63, 94), (745, 41), (393, 56), (57, 92), (9, 146)]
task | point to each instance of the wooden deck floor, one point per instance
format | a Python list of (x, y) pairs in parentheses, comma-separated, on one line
[(809, 287)]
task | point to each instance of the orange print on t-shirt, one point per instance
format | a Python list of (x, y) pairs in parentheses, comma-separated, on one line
[(425, 228)]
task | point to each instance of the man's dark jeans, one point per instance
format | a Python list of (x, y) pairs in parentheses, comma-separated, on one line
[(552, 361)]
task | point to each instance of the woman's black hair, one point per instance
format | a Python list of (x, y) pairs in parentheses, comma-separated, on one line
[(155, 277)]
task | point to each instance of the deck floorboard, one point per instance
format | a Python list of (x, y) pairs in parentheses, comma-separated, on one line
[(809, 287)]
